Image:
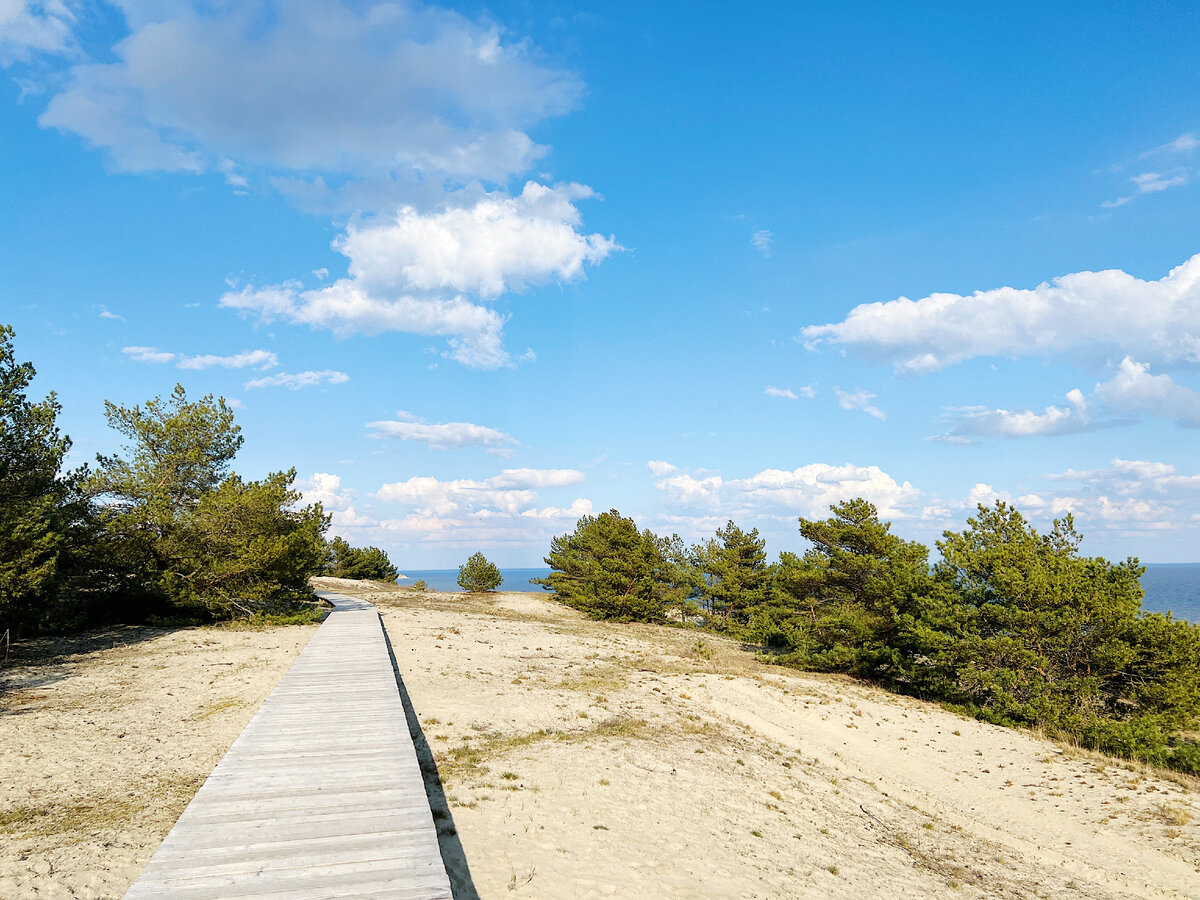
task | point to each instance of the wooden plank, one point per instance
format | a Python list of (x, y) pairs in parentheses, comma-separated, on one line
[(321, 795)]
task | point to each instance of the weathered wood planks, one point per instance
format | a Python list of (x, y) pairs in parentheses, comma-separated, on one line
[(320, 796)]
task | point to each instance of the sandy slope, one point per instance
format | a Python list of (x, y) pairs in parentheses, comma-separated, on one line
[(582, 759), (587, 760), (105, 737)]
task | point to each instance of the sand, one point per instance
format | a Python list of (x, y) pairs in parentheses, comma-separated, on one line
[(105, 737), (574, 759)]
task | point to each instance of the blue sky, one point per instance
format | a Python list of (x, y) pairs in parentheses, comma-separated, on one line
[(477, 270)]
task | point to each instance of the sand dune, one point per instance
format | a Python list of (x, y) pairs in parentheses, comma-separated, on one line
[(581, 759)]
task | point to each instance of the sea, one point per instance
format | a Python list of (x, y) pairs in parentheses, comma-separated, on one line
[(1173, 587)]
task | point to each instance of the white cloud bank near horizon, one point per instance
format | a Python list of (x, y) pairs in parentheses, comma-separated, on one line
[(497, 512)]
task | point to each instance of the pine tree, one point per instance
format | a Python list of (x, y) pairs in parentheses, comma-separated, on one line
[(181, 525), (35, 501), (736, 579), (477, 575), (610, 570)]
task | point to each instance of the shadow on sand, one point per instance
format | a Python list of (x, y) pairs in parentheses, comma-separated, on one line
[(41, 661), (453, 857)]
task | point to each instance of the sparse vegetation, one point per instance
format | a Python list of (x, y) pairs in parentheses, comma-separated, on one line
[(1011, 626)]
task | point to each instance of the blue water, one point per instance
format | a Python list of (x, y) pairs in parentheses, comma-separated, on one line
[(447, 579), (1168, 587), (1173, 587)]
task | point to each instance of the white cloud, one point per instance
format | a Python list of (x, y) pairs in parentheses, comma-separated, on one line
[(1151, 183), (396, 269), (365, 91), (1130, 497), (978, 420), (579, 508), (1131, 391), (686, 488), (442, 435), (366, 110), (1134, 389), (808, 490), (501, 243), (474, 332), (105, 314), (338, 503), (259, 359), (782, 393), (29, 26), (537, 478), (1157, 321), (761, 240), (1130, 477), (148, 354), (512, 492), (858, 400), (812, 488), (1185, 143), (294, 381), (658, 468)]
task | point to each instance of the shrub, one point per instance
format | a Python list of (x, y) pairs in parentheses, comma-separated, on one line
[(477, 575), (420, 585)]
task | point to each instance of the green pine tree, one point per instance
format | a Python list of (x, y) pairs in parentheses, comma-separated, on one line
[(477, 575)]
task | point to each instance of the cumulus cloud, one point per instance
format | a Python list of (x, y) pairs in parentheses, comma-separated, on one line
[(1132, 392), (397, 268), (398, 116), (1132, 477), (474, 332), (334, 88), (579, 508), (858, 400), (1133, 389), (442, 435), (106, 314), (686, 488), (500, 243), (807, 490), (1157, 321), (761, 240), (979, 420), (294, 381), (512, 492), (1128, 497)]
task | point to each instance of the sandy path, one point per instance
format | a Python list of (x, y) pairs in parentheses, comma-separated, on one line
[(105, 738), (589, 760)]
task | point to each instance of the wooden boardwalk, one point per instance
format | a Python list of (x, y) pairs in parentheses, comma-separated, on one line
[(321, 796)]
